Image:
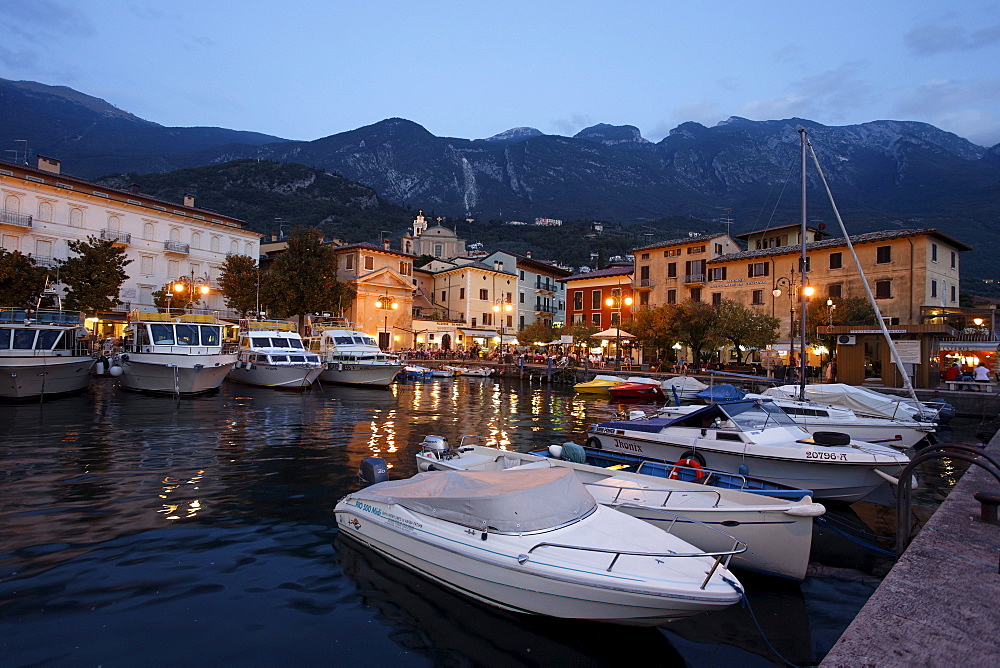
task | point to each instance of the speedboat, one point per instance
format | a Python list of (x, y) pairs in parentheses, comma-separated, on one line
[(777, 532), (415, 372), (42, 353), (271, 354), (867, 402), (815, 416), (351, 356), (599, 384), (173, 354), (536, 542), (637, 387), (756, 437), (682, 388), (443, 372)]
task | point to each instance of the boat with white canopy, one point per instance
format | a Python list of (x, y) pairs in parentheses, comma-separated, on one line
[(536, 542), (271, 354), (42, 353)]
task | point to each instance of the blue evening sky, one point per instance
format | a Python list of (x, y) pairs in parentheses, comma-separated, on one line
[(304, 69)]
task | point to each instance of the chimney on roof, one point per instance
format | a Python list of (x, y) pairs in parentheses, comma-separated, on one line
[(49, 164), (527, 254), (385, 243), (134, 188), (189, 200)]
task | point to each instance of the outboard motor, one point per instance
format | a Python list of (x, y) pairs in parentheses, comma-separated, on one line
[(438, 445), (372, 470)]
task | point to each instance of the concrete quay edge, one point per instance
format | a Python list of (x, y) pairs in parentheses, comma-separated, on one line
[(940, 603)]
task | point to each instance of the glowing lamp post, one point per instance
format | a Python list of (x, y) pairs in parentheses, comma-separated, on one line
[(616, 301), (386, 303)]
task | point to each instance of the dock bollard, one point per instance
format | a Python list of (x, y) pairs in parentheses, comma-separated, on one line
[(988, 506)]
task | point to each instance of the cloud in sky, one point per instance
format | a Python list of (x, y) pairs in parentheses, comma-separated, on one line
[(570, 126), (828, 96), (962, 107), (931, 38)]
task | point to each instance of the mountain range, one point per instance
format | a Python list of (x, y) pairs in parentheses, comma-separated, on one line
[(883, 174)]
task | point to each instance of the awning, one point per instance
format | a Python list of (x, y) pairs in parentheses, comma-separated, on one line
[(612, 333), (480, 333), (509, 338), (983, 346)]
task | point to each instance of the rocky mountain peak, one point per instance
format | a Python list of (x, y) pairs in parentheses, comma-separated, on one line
[(612, 135)]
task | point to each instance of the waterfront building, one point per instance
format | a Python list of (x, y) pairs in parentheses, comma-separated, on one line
[(454, 304), (675, 270), (44, 209), (434, 240), (383, 280), (540, 296)]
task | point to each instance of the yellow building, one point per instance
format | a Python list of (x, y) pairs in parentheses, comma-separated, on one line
[(670, 272), (383, 279)]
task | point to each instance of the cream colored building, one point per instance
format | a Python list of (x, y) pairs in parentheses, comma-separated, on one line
[(434, 240), (670, 272), (44, 209)]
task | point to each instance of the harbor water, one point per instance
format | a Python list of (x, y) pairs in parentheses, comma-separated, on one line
[(141, 530)]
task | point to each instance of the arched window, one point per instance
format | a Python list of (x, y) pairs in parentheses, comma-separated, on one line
[(12, 203), (114, 223), (149, 231), (216, 242), (234, 247), (76, 217), (248, 249), (196, 240), (175, 234), (45, 211)]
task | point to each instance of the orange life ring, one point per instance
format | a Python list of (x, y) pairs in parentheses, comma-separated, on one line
[(687, 463)]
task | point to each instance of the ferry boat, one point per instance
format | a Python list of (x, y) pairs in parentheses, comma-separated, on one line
[(351, 357), (271, 354), (42, 353), (173, 354)]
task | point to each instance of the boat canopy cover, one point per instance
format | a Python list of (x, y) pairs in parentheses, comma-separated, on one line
[(858, 399), (508, 501), (721, 392), (682, 383)]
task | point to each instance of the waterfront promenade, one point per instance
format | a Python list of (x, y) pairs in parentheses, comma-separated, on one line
[(938, 604)]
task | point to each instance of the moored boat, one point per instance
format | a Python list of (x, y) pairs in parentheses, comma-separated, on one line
[(42, 353), (637, 387), (351, 356), (778, 532), (536, 542), (757, 438), (271, 354), (599, 384), (181, 354)]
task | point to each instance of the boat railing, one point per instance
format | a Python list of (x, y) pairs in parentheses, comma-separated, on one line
[(203, 316), (247, 324), (722, 557), (667, 493), (13, 314)]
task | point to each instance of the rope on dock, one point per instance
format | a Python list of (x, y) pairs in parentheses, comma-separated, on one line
[(822, 521), (746, 604)]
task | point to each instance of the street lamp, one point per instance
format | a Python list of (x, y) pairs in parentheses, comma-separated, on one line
[(807, 291), (501, 307), (189, 289), (387, 303), (616, 301)]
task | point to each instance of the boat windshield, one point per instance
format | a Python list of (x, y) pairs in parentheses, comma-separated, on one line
[(754, 415), (4, 339)]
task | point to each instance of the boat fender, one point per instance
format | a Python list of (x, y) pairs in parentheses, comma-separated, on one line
[(743, 469), (372, 470), (116, 371), (687, 463), (831, 438), (895, 481), (555, 451), (99, 368), (595, 443), (238, 365)]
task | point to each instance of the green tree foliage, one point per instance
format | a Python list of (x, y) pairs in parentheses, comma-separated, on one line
[(303, 279), (169, 296), (94, 276), (581, 332), (746, 328), (654, 329), (21, 280), (697, 327), (536, 331), (241, 281)]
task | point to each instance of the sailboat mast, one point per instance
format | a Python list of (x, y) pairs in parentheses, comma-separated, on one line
[(802, 277)]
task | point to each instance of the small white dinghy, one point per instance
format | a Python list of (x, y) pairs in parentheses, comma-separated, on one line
[(536, 542)]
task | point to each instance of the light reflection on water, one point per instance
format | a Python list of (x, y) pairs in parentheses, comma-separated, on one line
[(122, 515)]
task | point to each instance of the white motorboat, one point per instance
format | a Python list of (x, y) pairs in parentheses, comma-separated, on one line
[(42, 353), (416, 372), (814, 416), (600, 384), (173, 354), (271, 354), (443, 372), (479, 371), (863, 401), (777, 532), (351, 356), (535, 541), (756, 437)]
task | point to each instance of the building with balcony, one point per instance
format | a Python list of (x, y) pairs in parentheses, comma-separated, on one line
[(383, 280), (541, 296), (672, 271), (44, 209)]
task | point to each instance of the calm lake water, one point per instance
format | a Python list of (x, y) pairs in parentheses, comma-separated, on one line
[(138, 530)]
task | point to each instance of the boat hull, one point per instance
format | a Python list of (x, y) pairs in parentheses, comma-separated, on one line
[(163, 373), (274, 375), (26, 377), (491, 572), (829, 479), (359, 374)]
